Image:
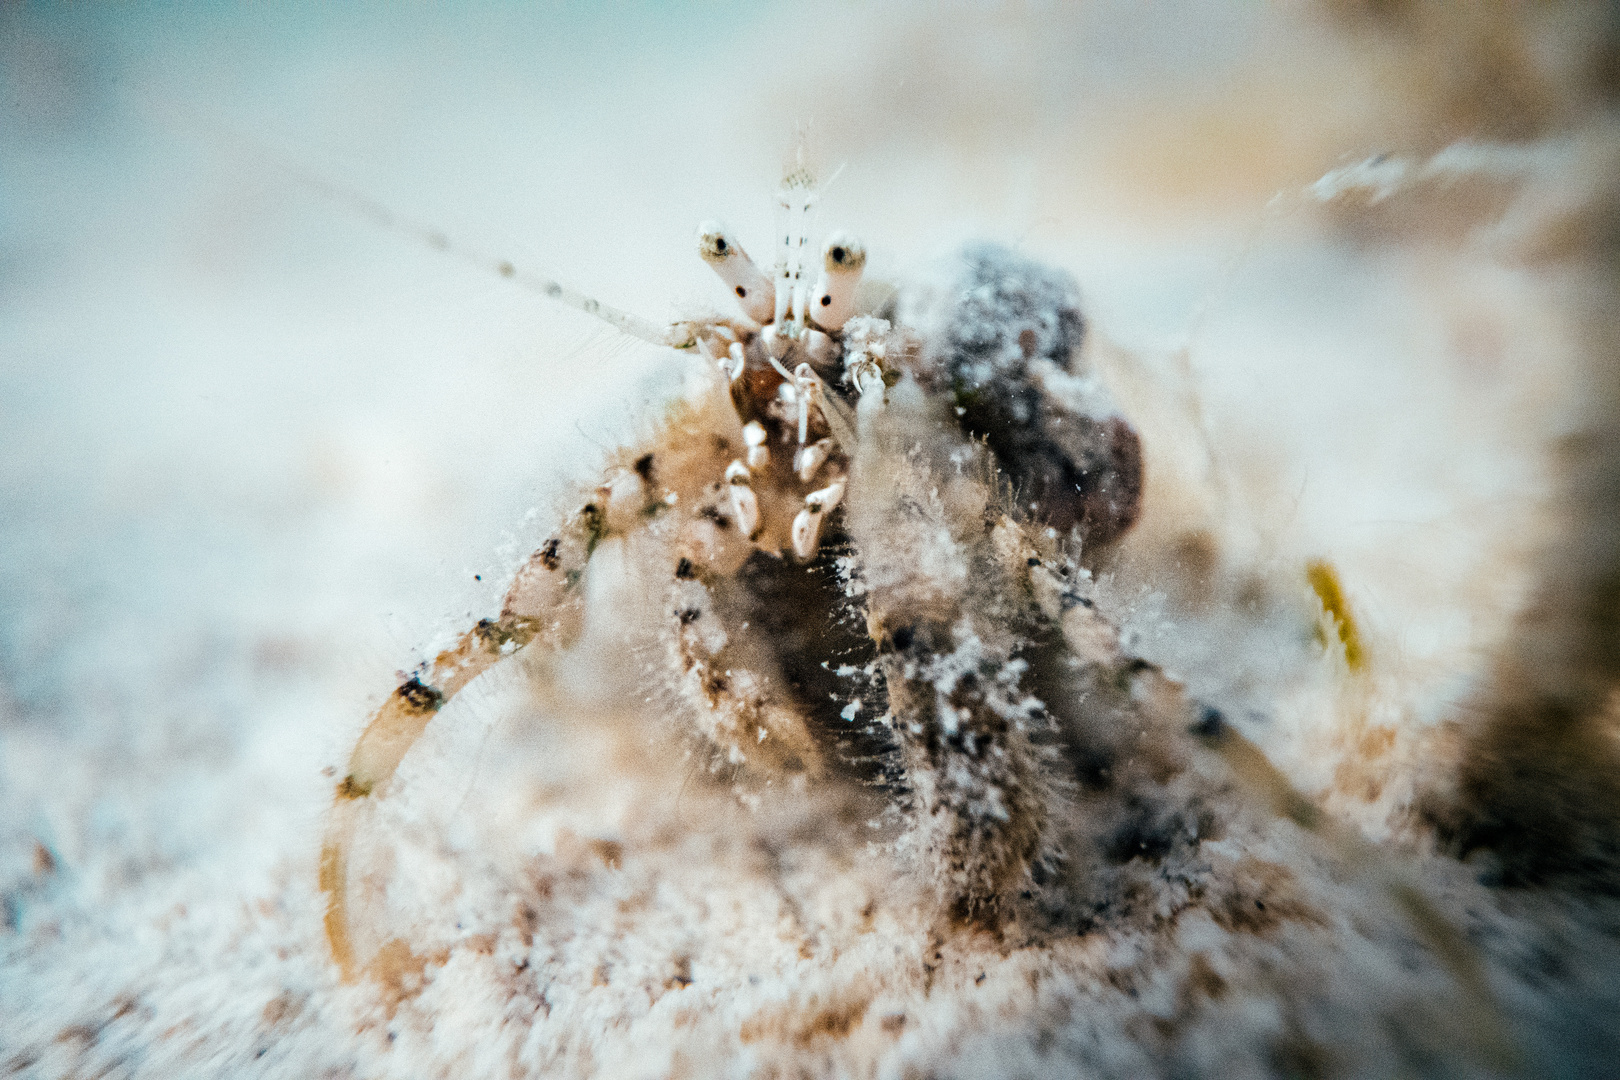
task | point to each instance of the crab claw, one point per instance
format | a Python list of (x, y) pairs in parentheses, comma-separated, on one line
[(744, 503), (807, 525), (759, 455), (810, 458)]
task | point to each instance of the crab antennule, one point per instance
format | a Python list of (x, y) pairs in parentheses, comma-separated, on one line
[(754, 291), (796, 197), (843, 258)]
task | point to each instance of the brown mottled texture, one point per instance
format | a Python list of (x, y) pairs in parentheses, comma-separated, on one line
[(1004, 316)]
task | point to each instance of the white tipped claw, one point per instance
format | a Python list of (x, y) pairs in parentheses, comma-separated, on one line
[(863, 373), (806, 534), (730, 363), (759, 455), (744, 504), (825, 500), (810, 459), (807, 524)]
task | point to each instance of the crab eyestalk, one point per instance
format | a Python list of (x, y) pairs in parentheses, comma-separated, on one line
[(843, 259), (754, 290)]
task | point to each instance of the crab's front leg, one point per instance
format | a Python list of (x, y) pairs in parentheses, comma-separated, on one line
[(964, 727), (733, 679), (544, 604), (949, 623)]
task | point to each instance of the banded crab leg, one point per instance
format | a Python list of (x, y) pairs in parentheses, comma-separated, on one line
[(731, 676), (544, 604)]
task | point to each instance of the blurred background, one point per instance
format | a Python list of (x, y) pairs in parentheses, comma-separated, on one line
[(258, 451)]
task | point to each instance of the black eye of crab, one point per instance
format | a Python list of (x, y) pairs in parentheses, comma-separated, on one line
[(720, 244)]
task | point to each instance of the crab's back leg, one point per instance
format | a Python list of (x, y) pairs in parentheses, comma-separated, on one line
[(1160, 700), (732, 685), (764, 653), (543, 602), (964, 727), (662, 490)]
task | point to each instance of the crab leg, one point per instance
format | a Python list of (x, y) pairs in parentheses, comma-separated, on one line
[(726, 675), (964, 725), (543, 604)]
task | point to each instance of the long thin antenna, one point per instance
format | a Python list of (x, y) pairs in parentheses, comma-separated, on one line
[(677, 335)]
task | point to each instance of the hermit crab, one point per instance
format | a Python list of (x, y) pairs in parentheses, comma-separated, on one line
[(876, 514)]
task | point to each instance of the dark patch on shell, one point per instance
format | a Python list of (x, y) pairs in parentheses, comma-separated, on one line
[(1069, 470)]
